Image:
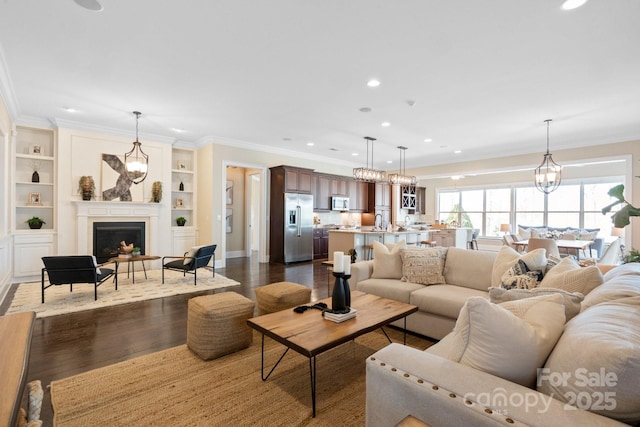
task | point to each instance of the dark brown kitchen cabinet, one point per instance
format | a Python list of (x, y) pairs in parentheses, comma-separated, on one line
[(381, 196), (420, 200), (293, 180), (320, 243), (338, 186), (321, 192), (358, 193)]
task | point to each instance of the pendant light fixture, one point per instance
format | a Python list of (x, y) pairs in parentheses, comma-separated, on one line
[(136, 161), (368, 174), (549, 174), (400, 178)]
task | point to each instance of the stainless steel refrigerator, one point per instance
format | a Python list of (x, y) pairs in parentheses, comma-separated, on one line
[(298, 227)]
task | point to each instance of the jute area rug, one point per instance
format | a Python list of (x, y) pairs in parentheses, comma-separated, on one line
[(59, 300), (175, 388)]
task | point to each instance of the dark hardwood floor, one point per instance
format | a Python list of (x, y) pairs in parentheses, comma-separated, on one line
[(73, 343)]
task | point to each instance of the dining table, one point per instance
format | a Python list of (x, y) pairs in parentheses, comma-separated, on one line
[(578, 245)]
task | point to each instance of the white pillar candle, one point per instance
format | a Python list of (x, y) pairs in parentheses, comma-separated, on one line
[(347, 265), (338, 262)]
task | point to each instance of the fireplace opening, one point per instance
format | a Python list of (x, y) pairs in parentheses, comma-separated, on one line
[(108, 235)]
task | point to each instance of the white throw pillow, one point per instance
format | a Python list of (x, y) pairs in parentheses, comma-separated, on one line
[(572, 301), (192, 253), (424, 266), (524, 233), (387, 263), (508, 257), (510, 340), (569, 276)]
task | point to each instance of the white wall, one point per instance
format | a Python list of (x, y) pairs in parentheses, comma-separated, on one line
[(6, 162)]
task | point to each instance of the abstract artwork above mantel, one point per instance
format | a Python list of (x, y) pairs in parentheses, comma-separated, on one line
[(115, 182)]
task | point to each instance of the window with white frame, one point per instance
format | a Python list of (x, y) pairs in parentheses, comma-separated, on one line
[(574, 204)]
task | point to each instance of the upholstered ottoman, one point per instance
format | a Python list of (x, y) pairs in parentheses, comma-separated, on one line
[(280, 296), (217, 324)]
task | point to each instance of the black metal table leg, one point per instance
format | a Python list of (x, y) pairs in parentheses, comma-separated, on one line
[(312, 374), (262, 362)]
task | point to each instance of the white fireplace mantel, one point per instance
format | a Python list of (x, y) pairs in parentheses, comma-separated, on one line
[(88, 212)]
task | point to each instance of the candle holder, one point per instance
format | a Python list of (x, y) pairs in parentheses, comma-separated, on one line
[(347, 290), (338, 302)]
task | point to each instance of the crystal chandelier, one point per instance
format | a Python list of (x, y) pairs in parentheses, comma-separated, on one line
[(368, 174), (136, 161), (549, 174), (400, 178)]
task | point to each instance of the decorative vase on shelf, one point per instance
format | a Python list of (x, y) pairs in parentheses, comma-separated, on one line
[(181, 187), (35, 176), (156, 192)]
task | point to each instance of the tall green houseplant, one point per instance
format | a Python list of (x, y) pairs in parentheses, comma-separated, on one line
[(620, 219)]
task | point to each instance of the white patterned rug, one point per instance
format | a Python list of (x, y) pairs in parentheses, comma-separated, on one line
[(58, 299)]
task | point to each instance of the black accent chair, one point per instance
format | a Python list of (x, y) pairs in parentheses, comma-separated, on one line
[(67, 270), (191, 261)]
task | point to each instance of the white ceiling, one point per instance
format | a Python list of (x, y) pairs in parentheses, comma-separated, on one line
[(484, 75)]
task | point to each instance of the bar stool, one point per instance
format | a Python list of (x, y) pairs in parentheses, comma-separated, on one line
[(368, 252)]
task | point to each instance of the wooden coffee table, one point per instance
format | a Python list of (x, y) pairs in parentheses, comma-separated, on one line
[(309, 334), (130, 264)]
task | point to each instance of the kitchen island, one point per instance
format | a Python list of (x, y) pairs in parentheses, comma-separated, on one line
[(343, 240)]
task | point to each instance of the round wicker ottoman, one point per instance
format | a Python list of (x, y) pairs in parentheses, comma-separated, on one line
[(280, 296), (217, 324)]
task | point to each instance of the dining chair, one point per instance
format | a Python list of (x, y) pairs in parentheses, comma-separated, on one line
[(611, 255), (549, 244)]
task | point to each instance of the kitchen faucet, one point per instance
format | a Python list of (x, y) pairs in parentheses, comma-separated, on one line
[(375, 220)]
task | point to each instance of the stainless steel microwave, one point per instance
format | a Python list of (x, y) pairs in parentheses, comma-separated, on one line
[(340, 203)]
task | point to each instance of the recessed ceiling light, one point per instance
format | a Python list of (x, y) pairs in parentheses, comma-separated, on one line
[(366, 110), (389, 161), (354, 154), (91, 5), (373, 83), (70, 109), (178, 130), (386, 124), (428, 140), (310, 144), (573, 4), (457, 152)]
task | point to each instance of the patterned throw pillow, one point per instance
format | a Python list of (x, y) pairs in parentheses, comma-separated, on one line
[(423, 266), (552, 261), (521, 277), (507, 257), (539, 233)]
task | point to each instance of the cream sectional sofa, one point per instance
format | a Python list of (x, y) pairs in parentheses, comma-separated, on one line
[(467, 273), (591, 376)]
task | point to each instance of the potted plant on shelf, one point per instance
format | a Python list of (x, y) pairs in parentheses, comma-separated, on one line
[(87, 187), (181, 221), (35, 222)]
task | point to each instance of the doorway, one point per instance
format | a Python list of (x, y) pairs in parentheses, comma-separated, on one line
[(245, 214)]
